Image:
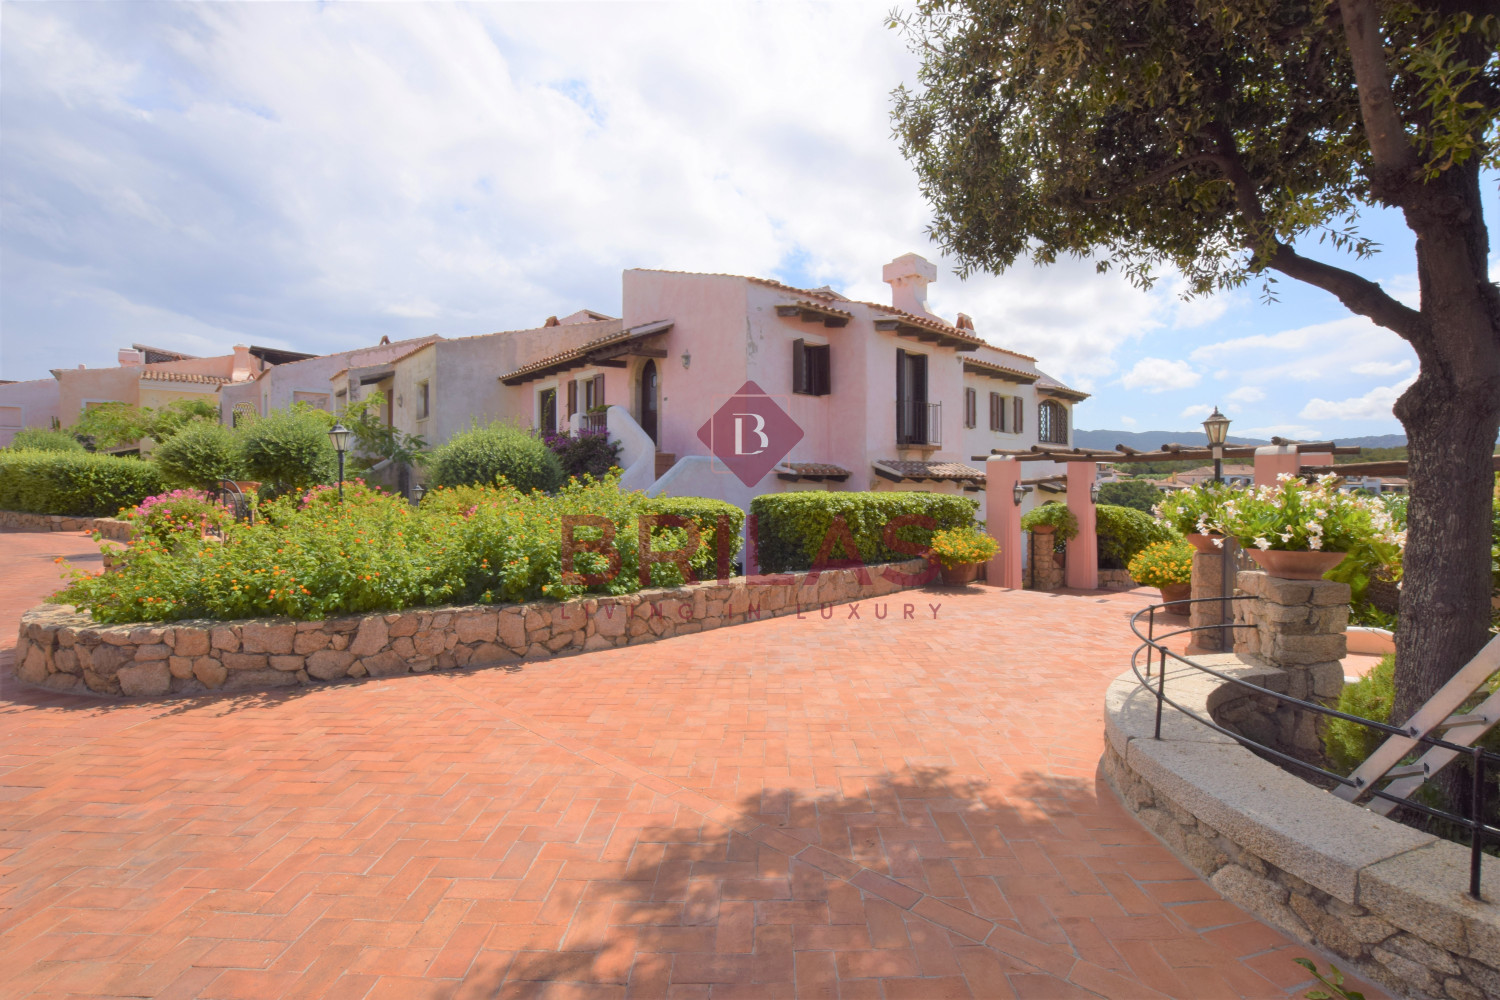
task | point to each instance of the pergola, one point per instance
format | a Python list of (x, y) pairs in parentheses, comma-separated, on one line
[(1167, 453)]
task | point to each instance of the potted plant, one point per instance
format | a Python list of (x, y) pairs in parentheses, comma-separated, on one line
[(1167, 566), (961, 551), (1051, 517), (1194, 513), (1299, 531)]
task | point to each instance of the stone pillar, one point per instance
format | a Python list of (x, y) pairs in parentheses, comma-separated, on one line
[(1271, 460), (1207, 581), (1082, 571), (1002, 519), (1299, 628)]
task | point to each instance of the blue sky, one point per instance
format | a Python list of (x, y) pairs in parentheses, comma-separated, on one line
[(317, 176)]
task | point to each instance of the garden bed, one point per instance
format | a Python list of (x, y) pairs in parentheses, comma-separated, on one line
[(63, 650)]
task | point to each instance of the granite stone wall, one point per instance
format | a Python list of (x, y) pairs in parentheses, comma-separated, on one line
[(61, 649), (108, 527)]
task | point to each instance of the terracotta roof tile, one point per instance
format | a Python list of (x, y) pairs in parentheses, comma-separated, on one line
[(949, 471), (811, 470), (150, 376)]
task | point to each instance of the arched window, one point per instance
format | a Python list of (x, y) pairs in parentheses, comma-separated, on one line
[(1051, 422), (244, 412)]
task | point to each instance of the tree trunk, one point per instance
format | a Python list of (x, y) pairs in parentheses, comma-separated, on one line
[(1451, 414), (1445, 593)]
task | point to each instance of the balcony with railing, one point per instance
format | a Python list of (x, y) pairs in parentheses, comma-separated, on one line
[(918, 423), (592, 423)]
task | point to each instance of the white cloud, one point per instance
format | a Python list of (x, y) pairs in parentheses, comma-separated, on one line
[(1379, 368), (1373, 405), (1196, 411), (1160, 375), (1312, 353), (1247, 394), (1128, 421)]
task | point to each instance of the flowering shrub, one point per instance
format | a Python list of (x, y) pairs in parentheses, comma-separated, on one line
[(181, 512), (309, 556), (1297, 517), (585, 453), (1196, 509), (962, 546), (1055, 514), (1163, 564)]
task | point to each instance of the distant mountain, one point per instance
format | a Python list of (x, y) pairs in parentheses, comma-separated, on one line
[(1152, 440)]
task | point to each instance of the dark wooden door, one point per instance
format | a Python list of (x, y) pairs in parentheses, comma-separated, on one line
[(649, 400)]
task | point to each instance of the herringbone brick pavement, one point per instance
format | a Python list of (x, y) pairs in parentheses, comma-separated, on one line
[(850, 807)]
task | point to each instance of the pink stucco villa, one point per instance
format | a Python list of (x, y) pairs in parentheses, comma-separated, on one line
[(888, 395)]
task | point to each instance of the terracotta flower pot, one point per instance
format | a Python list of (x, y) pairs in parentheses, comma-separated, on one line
[(1176, 592), (1044, 529), (1204, 543), (960, 575), (1296, 565)]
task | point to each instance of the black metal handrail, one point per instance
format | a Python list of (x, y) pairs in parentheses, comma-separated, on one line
[(1478, 829)]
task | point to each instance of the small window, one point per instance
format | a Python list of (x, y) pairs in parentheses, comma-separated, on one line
[(593, 393), (971, 407), (547, 404), (1052, 422), (810, 368), (245, 412), (424, 399), (997, 412)]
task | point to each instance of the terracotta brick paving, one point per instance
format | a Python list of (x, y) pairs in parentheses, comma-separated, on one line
[(876, 807)]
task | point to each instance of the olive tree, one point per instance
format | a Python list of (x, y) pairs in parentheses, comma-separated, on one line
[(1225, 140)]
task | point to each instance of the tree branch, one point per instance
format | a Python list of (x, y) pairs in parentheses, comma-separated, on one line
[(1358, 294), (1395, 157), (1154, 177)]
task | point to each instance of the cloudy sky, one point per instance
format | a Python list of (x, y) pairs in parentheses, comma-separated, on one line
[(317, 176)]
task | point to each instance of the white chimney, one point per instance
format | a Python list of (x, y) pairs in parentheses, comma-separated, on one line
[(130, 358), (909, 275)]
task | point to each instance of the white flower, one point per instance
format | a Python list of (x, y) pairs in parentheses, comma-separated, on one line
[(1315, 543), (1262, 544), (1286, 536), (1219, 542), (1314, 528)]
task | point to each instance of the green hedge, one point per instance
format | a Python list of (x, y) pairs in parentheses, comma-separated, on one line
[(1124, 531), (42, 439), (482, 455), (792, 526), (705, 513), (75, 484)]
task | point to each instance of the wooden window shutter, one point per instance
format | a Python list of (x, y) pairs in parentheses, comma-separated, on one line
[(572, 396), (598, 390), (799, 366), (1019, 412), (994, 411), (822, 382), (971, 404)]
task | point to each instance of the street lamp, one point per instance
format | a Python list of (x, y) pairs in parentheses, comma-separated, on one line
[(1217, 429), (417, 493), (1019, 493), (339, 435)]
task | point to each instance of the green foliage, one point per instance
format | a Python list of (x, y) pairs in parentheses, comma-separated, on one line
[(375, 440), (1135, 493), (43, 439), (199, 456), (1334, 981), (288, 450), (792, 527), (1147, 131), (1370, 697), (1163, 564), (962, 546), (76, 484), (1195, 510), (484, 456), (589, 453), (1053, 513), (111, 425), (311, 556), (1124, 531), (705, 513)]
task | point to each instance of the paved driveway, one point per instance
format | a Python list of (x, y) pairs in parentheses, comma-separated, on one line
[(852, 807)]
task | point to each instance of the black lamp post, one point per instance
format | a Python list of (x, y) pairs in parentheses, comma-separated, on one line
[(339, 435), (1019, 493), (1217, 428), (417, 493)]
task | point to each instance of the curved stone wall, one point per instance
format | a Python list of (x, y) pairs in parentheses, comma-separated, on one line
[(108, 527), (60, 649), (1390, 901)]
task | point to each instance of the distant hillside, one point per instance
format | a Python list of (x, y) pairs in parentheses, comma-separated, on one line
[(1152, 440)]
